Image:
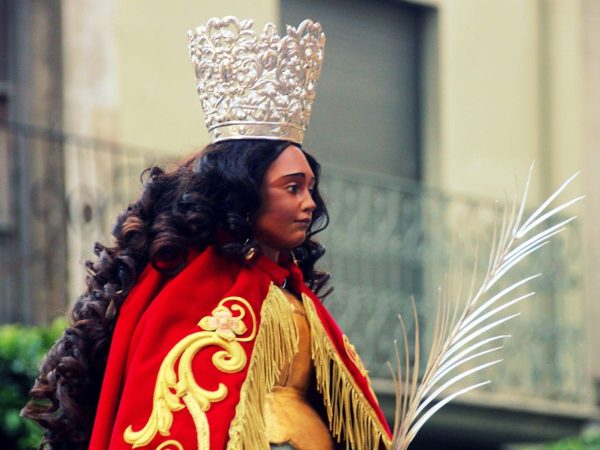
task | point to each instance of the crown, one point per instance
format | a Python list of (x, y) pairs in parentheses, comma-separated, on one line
[(256, 87)]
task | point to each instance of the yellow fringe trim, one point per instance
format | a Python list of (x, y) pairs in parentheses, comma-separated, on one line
[(351, 417), (275, 346)]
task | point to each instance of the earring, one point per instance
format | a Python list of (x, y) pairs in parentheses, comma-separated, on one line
[(250, 253)]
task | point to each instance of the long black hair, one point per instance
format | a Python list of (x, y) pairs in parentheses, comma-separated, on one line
[(212, 193)]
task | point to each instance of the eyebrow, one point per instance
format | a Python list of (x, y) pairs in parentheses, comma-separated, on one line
[(297, 174)]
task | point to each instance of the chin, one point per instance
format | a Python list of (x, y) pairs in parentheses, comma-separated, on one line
[(299, 242), (292, 244)]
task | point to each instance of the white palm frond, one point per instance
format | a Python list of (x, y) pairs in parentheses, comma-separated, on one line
[(463, 335)]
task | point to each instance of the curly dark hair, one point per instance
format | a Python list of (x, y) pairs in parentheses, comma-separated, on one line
[(212, 192)]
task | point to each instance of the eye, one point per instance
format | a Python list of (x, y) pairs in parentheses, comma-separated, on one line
[(293, 188)]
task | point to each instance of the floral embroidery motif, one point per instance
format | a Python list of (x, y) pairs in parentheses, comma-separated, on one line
[(176, 387), (223, 323)]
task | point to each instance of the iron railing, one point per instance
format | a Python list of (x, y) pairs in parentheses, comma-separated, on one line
[(60, 193), (390, 240)]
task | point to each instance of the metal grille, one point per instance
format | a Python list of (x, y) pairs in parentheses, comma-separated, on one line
[(64, 192), (390, 239)]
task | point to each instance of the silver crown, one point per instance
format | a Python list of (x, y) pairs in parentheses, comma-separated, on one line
[(256, 87)]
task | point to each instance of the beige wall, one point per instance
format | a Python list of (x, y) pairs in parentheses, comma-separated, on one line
[(90, 68), (158, 102), (489, 99), (564, 66), (517, 82), (509, 93), (128, 77), (591, 164)]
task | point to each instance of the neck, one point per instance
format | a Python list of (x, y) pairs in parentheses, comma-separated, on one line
[(269, 252)]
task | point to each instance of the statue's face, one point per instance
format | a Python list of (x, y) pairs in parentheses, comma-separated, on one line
[(283, 219)]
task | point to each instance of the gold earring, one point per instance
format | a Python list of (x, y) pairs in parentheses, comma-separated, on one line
[(250, 253)]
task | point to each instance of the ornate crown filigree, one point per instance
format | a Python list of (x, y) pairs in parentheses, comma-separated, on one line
[(256, 87)]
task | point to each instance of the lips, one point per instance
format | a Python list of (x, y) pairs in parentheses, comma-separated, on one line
[(304, 222)]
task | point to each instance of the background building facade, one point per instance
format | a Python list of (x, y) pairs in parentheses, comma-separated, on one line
[(427, 110)]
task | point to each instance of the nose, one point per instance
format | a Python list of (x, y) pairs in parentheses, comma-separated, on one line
[(308, 204)]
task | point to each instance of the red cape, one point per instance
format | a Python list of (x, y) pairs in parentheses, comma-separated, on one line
[(193, 356)]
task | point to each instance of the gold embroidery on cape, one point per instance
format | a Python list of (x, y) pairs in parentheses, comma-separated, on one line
[(350, 415), (355, 358), (221, 329), (172, 442), (275, 346), (351, 351)]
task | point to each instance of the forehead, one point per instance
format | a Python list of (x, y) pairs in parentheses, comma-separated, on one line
[(290, 161)]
